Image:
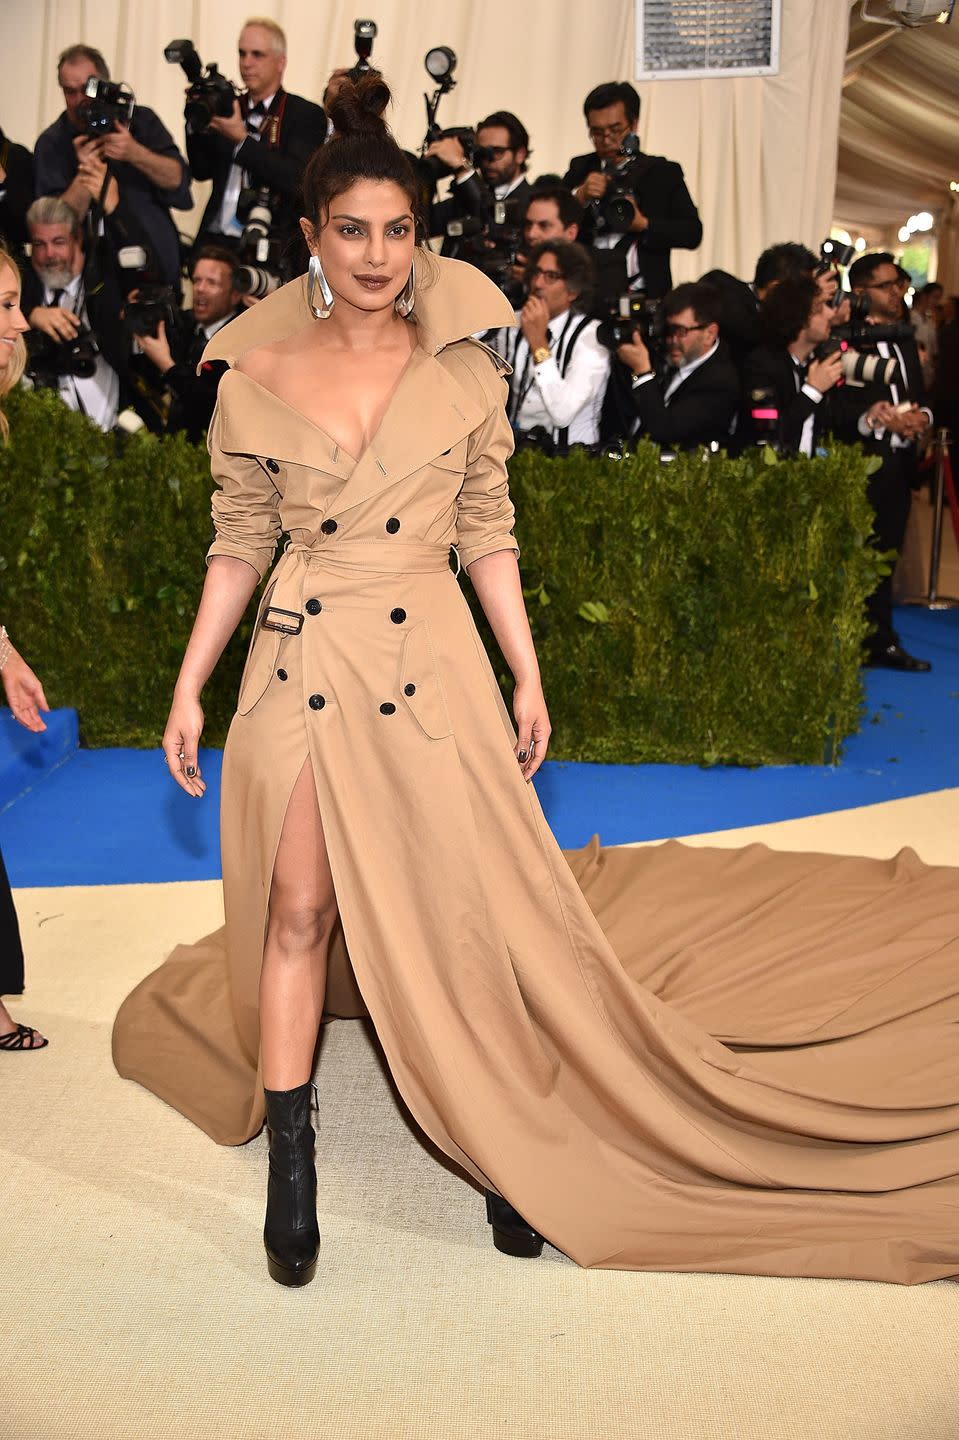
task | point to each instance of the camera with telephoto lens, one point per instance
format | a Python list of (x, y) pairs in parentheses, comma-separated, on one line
[(858, 367), (861, 365), (153, 304), (612, 213), (364, 33), (261, 269), (210, 93), (107, 102), (492, 241), (630, 312)]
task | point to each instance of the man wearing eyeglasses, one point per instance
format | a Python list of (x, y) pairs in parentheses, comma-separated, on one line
[(664, 217), (889, 421), (559, 369), (692, 398)]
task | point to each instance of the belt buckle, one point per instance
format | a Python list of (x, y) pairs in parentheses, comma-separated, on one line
[(292, 625)]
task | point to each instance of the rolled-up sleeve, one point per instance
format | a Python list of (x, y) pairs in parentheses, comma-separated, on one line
[(246, 506), (484, 520)]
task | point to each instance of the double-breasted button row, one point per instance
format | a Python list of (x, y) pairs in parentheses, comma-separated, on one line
[(398, 615), (272, 466), (329, 527), (392, 525), (316, 702), (313, 607)]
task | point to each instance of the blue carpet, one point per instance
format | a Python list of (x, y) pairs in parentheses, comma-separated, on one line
[(113, 816)]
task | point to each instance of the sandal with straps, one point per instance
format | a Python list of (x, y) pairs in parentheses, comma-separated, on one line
[(17, 1039)]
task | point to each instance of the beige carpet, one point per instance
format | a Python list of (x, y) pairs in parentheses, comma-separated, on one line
[(136, 1301)]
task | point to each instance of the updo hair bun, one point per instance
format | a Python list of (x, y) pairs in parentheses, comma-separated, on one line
[(359, 105)]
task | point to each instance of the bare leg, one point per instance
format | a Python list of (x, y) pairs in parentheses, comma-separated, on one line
[(302, 915)]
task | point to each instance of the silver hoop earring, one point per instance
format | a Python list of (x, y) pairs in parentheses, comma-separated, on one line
[(317, 278), (403, 304)]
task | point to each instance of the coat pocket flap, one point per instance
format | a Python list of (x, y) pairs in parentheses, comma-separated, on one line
[(420, 684)]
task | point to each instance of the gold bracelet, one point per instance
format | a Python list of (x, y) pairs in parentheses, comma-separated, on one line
[(6, 646)]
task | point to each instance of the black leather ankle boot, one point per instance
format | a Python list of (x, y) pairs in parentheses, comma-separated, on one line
[(511, 1234), (291, 1234)]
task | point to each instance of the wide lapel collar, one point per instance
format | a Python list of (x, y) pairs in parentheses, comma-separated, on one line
[(254, 421), (427, 414)]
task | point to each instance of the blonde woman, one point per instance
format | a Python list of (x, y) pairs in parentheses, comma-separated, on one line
[(22, 688)]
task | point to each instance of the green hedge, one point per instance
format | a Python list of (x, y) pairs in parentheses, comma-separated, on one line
[(700, 611)]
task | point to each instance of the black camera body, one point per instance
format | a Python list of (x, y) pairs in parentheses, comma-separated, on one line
[(612, 213), (154, 303), (107, 102), (630, 312), (436, 168), (209, 94), (364, 33), (51, 359), (863, 336), (492, 242)]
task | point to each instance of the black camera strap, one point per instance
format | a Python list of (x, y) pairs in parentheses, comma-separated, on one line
[(565, 345)]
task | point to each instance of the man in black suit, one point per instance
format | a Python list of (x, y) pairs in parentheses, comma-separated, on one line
[(692, 400), (740, 302), (499, 174), (263, 146), (172, 360), (664, 217), (785, 384), (16, 195), (888, 420)]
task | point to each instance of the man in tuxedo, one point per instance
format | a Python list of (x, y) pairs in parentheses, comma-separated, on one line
[(264, 145), (65, 301), (740, 302), (664, 217), (16, 195), (692, 399), (173, 359), (785, 384), (499, 174), (889, 421)]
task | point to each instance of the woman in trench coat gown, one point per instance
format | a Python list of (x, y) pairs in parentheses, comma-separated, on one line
[(716, 1095)]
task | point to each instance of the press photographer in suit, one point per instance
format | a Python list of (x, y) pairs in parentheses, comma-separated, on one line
[(784, 375), (740, 302), (663, 216), (263, 145), (888, 420), (16, 196), (691, 400)]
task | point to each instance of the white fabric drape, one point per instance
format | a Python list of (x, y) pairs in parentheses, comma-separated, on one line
[(759, 154)]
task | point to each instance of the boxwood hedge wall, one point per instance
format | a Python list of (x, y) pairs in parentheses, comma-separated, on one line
[(705, 610)]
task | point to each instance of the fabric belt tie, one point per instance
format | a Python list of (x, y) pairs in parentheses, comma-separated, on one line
[(389, 557)]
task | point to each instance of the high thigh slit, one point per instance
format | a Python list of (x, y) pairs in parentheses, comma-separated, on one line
[(746, 1064)]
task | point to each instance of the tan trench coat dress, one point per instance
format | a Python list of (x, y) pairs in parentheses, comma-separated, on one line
[(761, 1077)]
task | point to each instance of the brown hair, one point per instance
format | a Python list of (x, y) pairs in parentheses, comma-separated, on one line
[(84, 52), (362, 148), (15, 369)]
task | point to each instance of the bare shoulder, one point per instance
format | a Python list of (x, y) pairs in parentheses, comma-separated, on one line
[(262, 363)]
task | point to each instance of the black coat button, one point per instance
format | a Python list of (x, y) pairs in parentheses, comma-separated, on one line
[(281, 675), (387, 708), (409, 689), (392, 526), (328, 527), (313, 607), (397, 616), (317, 702), (272, 466)]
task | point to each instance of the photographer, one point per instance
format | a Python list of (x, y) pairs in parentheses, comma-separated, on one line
[(560, 371), (262, 146), (495, 171), (149, 170), (79, 346), (740, 302), (889, 420), (173, 358), (692, 399), (785, 375), (657, 212)]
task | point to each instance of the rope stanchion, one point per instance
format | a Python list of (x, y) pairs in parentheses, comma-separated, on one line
[(942, 479)]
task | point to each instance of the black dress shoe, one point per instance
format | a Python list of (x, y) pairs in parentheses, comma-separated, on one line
[(511, 1234), (894, 657), (290, 1233)]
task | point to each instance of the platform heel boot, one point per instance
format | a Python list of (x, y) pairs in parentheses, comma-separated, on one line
[(291, 1233), (511, 1233)]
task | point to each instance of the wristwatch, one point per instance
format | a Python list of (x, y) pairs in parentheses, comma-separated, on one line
[(540, 354)]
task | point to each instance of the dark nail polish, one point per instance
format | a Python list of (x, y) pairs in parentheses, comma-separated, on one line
[(521, 756), (191, 771)]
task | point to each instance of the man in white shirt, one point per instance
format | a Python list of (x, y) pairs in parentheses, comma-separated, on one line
[(560, 370), (56, 305)]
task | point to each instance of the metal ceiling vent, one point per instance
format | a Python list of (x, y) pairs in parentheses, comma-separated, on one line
[(692, 39)]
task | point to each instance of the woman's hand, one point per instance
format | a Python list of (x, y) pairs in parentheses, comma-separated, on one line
[(532, 726), (24, 692), (181, 741)]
